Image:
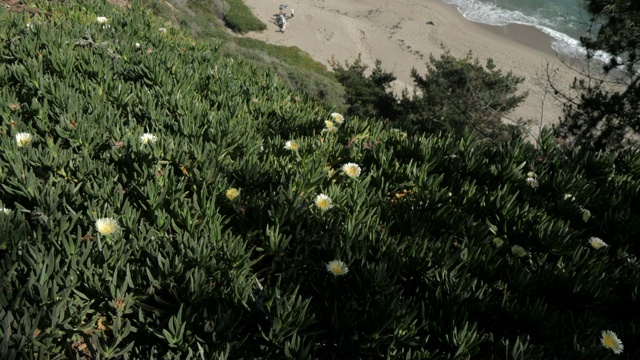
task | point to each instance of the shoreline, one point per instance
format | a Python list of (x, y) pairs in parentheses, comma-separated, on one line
[(525, 35), (403, 35)]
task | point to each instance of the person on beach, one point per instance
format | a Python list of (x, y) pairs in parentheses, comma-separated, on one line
[(283, 22), (292, 13)]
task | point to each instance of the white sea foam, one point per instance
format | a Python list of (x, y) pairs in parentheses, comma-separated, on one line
[(565, 44), (487, 13)]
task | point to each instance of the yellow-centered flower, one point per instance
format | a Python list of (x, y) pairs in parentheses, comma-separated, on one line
[(610, 341), (337, 268), (233, 193), (323, 202), (337, 118), (292, 145), (352, 170), (107, 226), (23, 139)]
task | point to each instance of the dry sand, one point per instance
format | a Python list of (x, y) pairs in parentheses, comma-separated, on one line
[(397, 32)]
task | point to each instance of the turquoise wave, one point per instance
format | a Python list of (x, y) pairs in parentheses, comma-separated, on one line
[(564, 20)]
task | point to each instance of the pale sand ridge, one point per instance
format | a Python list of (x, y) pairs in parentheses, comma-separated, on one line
[(398, 33)]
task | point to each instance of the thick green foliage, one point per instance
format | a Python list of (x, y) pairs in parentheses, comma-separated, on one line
[(426, 230), (240, 19), (367, 96), (618, 34), (454, 95), (602, 116), (462, 93)]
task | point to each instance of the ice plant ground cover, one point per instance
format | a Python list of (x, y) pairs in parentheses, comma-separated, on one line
[(422, 241)]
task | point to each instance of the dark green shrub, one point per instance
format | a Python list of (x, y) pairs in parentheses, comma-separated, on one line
[(601, 106), (368, 95), (454, 95)]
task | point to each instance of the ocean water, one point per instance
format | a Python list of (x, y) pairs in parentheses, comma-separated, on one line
[(564, 20)]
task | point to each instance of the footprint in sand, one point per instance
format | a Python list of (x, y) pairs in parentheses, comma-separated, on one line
[(325, 35)]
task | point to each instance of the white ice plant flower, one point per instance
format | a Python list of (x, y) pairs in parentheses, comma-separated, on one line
[(611, 341), (292, 145), (148, 138), (597, 243), (163, 30), (586, 215), (532, 182), (337, 268), (107, 226), (338, 118), (6, 211), (102, 20), (23, 139), (351, 170), (330, 127), (323, 202)]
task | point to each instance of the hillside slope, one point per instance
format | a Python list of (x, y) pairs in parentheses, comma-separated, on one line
[(295, 68), (160, 199)]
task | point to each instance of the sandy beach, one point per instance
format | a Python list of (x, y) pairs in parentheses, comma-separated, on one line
[(403, 33)]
